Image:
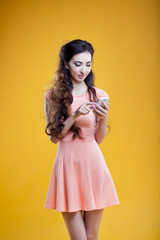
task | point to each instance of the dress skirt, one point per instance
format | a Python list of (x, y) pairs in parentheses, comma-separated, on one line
[(80, 179)]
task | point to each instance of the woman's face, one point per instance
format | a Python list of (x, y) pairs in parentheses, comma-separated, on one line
[(79, 66)]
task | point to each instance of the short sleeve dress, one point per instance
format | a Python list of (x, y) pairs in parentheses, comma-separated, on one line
[(80, 178)]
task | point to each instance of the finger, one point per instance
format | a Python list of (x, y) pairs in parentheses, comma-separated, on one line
[(100, 108), (90, 103), (106, 106), (84, 112), (98, 115), (89, 108), (99, 112), (86, 108)]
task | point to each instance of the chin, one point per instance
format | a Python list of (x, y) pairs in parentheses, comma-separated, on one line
[(78, 80)]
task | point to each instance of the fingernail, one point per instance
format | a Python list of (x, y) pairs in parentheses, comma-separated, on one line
[(92, 107)]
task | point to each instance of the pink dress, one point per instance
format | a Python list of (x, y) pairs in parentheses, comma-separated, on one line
[(80, 178)]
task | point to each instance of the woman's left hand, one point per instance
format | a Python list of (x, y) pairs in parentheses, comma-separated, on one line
[(100, 111)]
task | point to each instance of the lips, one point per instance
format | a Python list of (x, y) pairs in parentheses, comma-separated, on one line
[(81, 75)]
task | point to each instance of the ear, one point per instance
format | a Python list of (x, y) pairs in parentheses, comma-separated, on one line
[(66, 64)]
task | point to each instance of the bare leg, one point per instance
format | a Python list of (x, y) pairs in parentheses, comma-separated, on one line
[(75, 225), (92, 221)]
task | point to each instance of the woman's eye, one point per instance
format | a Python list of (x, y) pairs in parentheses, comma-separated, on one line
[(80, 65)]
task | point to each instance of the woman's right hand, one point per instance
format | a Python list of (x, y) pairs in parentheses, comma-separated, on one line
[(84, 109)]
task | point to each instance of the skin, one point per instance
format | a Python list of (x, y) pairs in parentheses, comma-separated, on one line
[(84, 225), (83, 60)]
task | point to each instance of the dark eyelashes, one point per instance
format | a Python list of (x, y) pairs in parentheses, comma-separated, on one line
[(80, 65)]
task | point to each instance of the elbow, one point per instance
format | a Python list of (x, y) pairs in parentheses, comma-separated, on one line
[(100, 139)]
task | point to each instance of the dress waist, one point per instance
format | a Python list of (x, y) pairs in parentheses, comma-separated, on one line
[(87, 135)]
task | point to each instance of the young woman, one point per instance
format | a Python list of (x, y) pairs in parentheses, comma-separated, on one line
[(81, 185)]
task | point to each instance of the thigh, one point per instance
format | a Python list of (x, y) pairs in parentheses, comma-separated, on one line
[(75, 225), (92, 221)]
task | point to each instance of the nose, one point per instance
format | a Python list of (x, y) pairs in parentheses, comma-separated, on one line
[(83, 69)]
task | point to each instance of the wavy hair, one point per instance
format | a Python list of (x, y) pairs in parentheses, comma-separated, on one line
[(58, 104)]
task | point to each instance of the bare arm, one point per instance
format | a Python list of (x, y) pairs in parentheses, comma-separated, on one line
[(82, 110), (101, 130)]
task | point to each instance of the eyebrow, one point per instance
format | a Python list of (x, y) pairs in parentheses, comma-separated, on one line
[(81, 62)]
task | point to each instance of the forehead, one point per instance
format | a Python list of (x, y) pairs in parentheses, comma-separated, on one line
[(85, 56)]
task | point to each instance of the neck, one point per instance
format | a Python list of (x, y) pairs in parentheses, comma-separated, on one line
[(79, 87)]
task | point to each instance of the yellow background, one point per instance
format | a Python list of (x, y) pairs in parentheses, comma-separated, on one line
[(125, 37)]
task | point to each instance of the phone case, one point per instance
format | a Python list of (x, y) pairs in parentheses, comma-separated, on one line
[(100, 100)]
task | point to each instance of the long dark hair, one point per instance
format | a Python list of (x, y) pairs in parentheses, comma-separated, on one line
[(58, 104)]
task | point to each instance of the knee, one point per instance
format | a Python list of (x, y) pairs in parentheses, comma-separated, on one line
[(92, 236), (79, 237)]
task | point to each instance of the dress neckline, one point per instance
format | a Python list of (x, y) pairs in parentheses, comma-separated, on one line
[(80, 95)]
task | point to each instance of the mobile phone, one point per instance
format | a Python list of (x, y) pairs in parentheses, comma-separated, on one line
[(100, 100)]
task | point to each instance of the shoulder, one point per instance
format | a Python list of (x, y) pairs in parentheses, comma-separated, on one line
[(100, 92), (47, 94)]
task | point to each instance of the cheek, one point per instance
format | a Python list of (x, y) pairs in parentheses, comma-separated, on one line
[(89, 70), (75, 70)]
